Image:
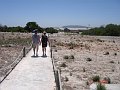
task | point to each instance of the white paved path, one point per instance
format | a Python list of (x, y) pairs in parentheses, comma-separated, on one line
[(32, 73)]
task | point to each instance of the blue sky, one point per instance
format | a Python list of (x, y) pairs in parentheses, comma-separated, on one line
[(58, 13)]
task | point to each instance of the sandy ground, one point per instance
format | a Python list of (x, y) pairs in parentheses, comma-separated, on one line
[(79, 58), (11, 45)]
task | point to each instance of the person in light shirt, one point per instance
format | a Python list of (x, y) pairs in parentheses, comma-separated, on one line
[(35, 42)]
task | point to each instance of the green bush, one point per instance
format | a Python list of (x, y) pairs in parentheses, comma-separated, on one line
[(96, 79), (101, 87), (108, 30)]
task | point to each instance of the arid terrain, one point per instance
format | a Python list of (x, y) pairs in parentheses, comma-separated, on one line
[(11, 45), (79, 58)]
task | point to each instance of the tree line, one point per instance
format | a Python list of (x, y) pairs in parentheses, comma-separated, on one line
[(108, 30), (30, 26)]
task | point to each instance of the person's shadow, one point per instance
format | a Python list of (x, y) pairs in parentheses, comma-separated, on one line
[(35, 56), (44, 56)]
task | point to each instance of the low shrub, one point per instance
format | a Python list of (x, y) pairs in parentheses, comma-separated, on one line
[(107, 53), (66, 79), (107, 79), (112, 62), (71, 57), (66, 57), (89, 59), (63, 65), (96, 79), (115, 54), (99, 40), (84, 69), (55, 50)]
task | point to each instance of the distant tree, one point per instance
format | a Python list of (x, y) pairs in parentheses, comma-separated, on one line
[(66, 30), (112, 30), (20, 29), (3, 28), (31, 26), (109, 30), (51, 30), (40, 29)]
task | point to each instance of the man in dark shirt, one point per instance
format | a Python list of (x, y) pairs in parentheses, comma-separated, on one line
[(44, 40)]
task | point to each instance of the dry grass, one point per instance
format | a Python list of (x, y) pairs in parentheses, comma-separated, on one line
[(11, 45)]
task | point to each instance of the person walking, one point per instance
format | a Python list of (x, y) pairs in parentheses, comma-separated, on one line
[(44, 40), (35, 42)]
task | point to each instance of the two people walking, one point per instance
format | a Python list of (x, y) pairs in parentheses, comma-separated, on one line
[(37, 40)]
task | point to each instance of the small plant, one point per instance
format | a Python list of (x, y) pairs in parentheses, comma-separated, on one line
[(66, 79), (71, 57), (107, 53), (89, 59), (96, 79), (60, 44), (65, 57), (115, 54), (113, 41), (71, 45), (63, 65), (87, 83), (112, 62), (53, 46), (3, 37), (107, 79), (113, 70), (87, 47), (101, 87), (70, 74), (99, 40), (81, 45), (12, 33), (18, 37), (55, 50), (84, 69)]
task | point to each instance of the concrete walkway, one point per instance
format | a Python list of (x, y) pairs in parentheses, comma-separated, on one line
[(32, 73)]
